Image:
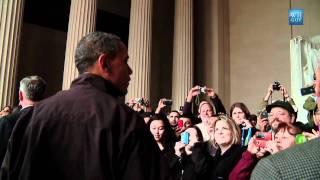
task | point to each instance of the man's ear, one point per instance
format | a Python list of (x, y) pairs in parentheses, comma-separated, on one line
[(104, 63), (20, 95)]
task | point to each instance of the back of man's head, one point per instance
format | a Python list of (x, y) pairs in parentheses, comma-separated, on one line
[(33, 87), (91, 46)]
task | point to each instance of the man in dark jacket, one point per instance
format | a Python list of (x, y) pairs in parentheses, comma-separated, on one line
[(31, 90), (86, 132)]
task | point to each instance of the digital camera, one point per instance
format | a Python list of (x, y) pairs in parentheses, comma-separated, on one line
[(276, 86), (262, 138), (202, 90), (264, 115), (139, 101)]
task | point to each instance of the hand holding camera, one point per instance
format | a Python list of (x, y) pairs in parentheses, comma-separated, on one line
[(272, 147), (245, 123), (139, 101), (179, 148), (210, 92), (202, 90), (193, 92), (262, 138), (163, 103), (276, 86), (252, 147), (262, 121)]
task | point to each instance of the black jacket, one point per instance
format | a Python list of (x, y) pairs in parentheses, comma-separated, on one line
[(222, 165), (6, 126), (86, 133), (194, 166)]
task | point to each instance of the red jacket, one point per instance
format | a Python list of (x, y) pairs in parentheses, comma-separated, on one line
[(243, 169)]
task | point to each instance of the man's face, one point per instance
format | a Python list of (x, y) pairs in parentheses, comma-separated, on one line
[(173, 118), (278, 115), (120, 70)]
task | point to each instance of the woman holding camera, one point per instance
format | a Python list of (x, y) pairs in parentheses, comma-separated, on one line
[(240, 114), (191, 157), (204, 166), (284, 138)]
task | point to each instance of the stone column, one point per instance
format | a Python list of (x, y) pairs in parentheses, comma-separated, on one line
[(139, 48), (182, 79), (82, 21), (11, 15)]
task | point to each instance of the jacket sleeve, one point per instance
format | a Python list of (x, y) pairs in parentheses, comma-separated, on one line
[(187, 108), (201, 159), (218, 105), (265, 169), (244, 167), (4, 137)]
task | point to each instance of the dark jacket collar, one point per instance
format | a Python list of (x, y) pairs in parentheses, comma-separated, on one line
[(98, 82), (229, 151)]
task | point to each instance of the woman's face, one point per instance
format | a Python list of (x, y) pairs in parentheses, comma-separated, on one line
[(157, 129), (238, 115), (206, 110), (222, 133), (284, 139)]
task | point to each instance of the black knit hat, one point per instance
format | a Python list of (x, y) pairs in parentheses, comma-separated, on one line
[(283, 104)]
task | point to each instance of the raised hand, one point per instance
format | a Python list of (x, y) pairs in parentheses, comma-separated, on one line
[(193, 92)]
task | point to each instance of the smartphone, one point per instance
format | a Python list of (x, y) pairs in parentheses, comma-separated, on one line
[(167, 102), (185, 137), (262, 138), (264, 115), (180, 123)]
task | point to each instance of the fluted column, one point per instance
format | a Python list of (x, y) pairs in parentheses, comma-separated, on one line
[(11, 15), (82, 20), (182, 79), (139, 48)]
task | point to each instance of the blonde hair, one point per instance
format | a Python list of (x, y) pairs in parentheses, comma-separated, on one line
[(206, 102), (235, 130)]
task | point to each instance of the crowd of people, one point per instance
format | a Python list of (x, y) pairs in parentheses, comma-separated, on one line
[(223, 145), (87, 133)]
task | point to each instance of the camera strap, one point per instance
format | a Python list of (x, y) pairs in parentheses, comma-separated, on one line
[(197, 100)]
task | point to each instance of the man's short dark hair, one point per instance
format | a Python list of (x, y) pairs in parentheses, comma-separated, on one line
[(91, 46), (33, 87)]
